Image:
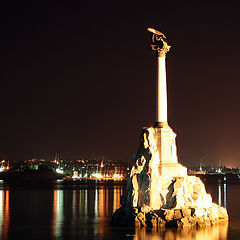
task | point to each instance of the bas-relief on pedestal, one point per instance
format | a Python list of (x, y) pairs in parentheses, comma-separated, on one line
[(159, 191)]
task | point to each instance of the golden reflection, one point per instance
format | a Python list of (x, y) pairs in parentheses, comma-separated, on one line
[(104, 203), (106, 200), (215, 232), (116, 198), (57, 216), (101, 203), (4, 213), (54, 212)]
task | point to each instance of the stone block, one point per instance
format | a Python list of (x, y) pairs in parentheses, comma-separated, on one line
[(222, 213), (154, 222), (138, 223), (177, 214), (184, 222), (199, 222), (207, 221), (199, 212), (186, 212), (169, 214), (141, 216), (145, 209), (135, 210), (161, 222), (192, 221)]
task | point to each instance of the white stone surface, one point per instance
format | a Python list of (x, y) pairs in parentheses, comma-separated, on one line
[(161, 103)]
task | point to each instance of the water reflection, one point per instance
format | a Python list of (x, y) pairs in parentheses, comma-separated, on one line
[(225, 194), (222, 192), (209, 233), (4, 213), (58, 207), (219, 194), (75, 212), (78, 207), (84, 213), (96, 203)]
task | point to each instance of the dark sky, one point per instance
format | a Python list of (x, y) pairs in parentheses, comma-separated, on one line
[(78, 77)]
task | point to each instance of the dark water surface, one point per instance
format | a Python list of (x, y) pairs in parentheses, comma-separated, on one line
[(58, 211)]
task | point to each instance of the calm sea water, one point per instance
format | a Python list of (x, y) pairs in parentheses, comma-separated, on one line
[(58, 211)]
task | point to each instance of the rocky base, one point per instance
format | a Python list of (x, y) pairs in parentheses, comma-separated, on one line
[(175, 217), (159, 193)]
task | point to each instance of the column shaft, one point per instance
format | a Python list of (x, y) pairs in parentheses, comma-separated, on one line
[(161, 101)]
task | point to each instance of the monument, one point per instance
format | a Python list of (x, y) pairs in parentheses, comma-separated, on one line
[(159, 191)]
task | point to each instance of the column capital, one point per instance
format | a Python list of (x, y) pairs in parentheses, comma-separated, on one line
[(159, 45)]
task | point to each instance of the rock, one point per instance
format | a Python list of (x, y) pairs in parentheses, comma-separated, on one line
[(161, 222), (123, 200), (145, 209), (183, 222), (213, 213), (186, 212), (199, 212), (207, 221), (222, 213), (169, 214), (192, 221), (177, 214), (141, 216), (138, 223), (199, 222), (140, 219), (156, 198)]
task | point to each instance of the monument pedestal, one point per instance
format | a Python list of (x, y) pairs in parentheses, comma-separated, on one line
[(163, 146), (159, 192)]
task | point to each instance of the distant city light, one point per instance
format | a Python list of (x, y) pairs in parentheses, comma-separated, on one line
[(117, 175), (58, 170), (96, 175)]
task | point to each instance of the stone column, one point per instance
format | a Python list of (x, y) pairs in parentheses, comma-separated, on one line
[(161, 48), (161, 93)]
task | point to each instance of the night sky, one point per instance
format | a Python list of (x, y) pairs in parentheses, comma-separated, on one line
[(78, 78)]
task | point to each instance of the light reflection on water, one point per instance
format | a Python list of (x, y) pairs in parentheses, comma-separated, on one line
[(86, 204), (57, 217), (222, 194), (84, 213), (209, 233), (4, 213)]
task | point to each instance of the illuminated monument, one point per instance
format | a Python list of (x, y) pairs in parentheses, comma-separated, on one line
[(159, 191), (163, 134)]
